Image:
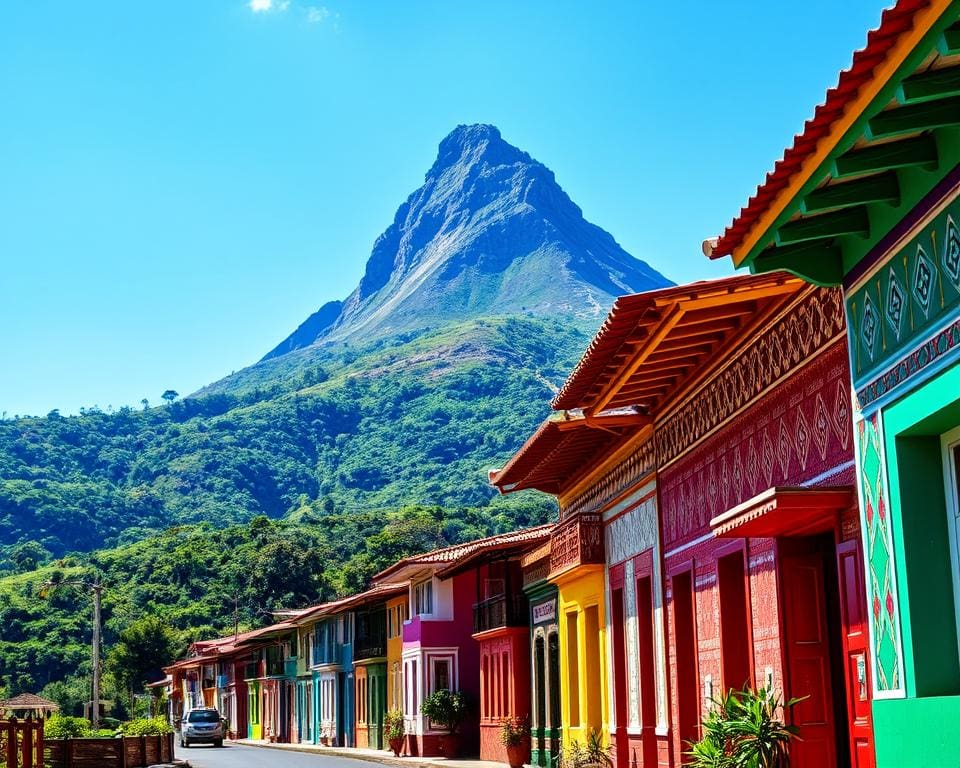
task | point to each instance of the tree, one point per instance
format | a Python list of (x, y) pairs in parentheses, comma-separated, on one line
[(141, 652), (170, 395), (145, 403)]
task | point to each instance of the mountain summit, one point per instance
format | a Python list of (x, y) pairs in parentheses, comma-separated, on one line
[(490, 232)]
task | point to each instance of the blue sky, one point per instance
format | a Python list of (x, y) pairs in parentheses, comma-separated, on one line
[(182, 183)]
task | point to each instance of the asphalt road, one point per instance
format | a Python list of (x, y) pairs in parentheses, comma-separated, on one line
[(240, 756)]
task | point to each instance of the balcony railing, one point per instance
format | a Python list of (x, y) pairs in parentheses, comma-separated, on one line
[(275, 668), (576, 541), (500, 611), (223, 681), (370, 647)]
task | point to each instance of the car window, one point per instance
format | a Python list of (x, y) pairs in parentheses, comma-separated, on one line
[(203, 716)]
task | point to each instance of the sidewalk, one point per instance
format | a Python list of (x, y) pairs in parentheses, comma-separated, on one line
[(374, 755)]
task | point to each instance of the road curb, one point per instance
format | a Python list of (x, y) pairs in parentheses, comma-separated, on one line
[(386, 759)]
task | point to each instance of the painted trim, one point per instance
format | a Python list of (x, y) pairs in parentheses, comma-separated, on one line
[(948, 442), (854, 111)]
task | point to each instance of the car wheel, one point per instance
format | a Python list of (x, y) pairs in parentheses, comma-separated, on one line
[(218, 743), (181, 743), (186, 743)]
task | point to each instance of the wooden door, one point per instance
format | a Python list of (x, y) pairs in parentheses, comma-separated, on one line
[(807, 646), (856, 644)]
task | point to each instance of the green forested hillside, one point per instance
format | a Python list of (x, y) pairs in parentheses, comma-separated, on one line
[(405, 421), (196, 577), (285, 484)]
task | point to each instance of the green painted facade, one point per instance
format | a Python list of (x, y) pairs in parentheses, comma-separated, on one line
[(545, 731)]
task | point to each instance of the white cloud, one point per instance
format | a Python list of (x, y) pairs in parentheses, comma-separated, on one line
[(264, 6), (316, 14)]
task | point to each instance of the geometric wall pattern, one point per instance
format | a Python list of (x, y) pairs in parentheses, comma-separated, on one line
[(798, 431), (884, 610), (907, 294)]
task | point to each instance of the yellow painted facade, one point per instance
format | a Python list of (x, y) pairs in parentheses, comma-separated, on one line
[(583, 684), (397, 613)]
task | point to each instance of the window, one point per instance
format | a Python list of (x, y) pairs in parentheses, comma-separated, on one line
[(441, 675), (950, 443), (735, 662), (423, 598), (573, 669)]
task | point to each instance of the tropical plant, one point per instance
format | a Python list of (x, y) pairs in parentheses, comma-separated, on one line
[(393, 724), (743, 730), (446, 709), (591, 752), (66, 727), (513, 731)]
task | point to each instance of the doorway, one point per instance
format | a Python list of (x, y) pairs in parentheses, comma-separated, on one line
[(817, 655)]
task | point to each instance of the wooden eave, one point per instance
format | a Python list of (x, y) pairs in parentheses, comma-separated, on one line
[(888, 138), (563, 446), (695, 326)]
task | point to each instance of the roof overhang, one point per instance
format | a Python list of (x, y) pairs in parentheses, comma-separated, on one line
[(653, 345), (829, 200), (563, 445), (784, 512)]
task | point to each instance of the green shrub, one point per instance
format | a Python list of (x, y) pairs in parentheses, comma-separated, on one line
[(66, 727), (146, 726), (446, 709)]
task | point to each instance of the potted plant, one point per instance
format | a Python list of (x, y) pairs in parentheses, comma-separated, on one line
[(446, 709), (515, 736), (394, 730), (743, 728)]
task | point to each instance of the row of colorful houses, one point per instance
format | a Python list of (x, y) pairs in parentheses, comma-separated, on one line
[(757, 480)]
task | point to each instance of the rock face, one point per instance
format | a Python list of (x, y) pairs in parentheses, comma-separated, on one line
[(490, 232)]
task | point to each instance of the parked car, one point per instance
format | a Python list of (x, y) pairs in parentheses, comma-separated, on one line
[(201, 726)]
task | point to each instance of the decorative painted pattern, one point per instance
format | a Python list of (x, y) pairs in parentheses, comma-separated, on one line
[(933, 350), (910, 294), (799, 431), (884, 612), (804, 328), (626, 473)]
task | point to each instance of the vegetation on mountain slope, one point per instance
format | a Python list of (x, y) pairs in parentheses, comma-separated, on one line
[(410, 421)]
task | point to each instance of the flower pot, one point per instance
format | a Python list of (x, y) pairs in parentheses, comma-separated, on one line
[(450, 745), (397, 746), (516, 755)]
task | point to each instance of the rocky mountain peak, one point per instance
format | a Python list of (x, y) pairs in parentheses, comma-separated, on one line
[(490, 232)]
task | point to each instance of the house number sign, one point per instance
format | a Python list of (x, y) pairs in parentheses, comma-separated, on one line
[(545, 611)]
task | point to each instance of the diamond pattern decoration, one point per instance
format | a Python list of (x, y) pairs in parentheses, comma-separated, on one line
[(895, 302), (868, 325), (841, 414), (951, 251), (784, 449), (802, 438), (924, 278), (821, 426), (767, 457)]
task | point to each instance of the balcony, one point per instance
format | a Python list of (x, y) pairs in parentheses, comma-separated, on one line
[(251, 671), (370, 647), (327, 653), (575, 542), (500, 611), (223, 681)]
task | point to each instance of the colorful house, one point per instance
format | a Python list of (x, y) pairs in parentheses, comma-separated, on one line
[(868, 198), (448, 588), (723, 482), (271, 682), (398, 613), (544, 639)]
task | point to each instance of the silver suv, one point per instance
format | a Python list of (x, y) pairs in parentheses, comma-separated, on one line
[(201, 726)]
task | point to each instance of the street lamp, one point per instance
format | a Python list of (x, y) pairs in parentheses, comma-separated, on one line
[(95, 588)]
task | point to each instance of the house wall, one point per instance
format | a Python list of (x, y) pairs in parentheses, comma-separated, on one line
[(639, 717), (394, 652), (791, 427), (582, 623), (504, 686)]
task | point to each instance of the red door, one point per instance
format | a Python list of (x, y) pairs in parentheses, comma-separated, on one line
[(807, 644), (855, 651)]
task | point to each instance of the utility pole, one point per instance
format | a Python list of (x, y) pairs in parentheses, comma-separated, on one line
[(95, 588)]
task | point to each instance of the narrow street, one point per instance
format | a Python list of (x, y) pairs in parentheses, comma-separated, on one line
[(240, 756)]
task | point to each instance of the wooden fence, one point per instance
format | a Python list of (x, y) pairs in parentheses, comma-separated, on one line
[(126, 752), (21, 743)]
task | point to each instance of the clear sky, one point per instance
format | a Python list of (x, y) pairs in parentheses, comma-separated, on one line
[(183, 182)]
